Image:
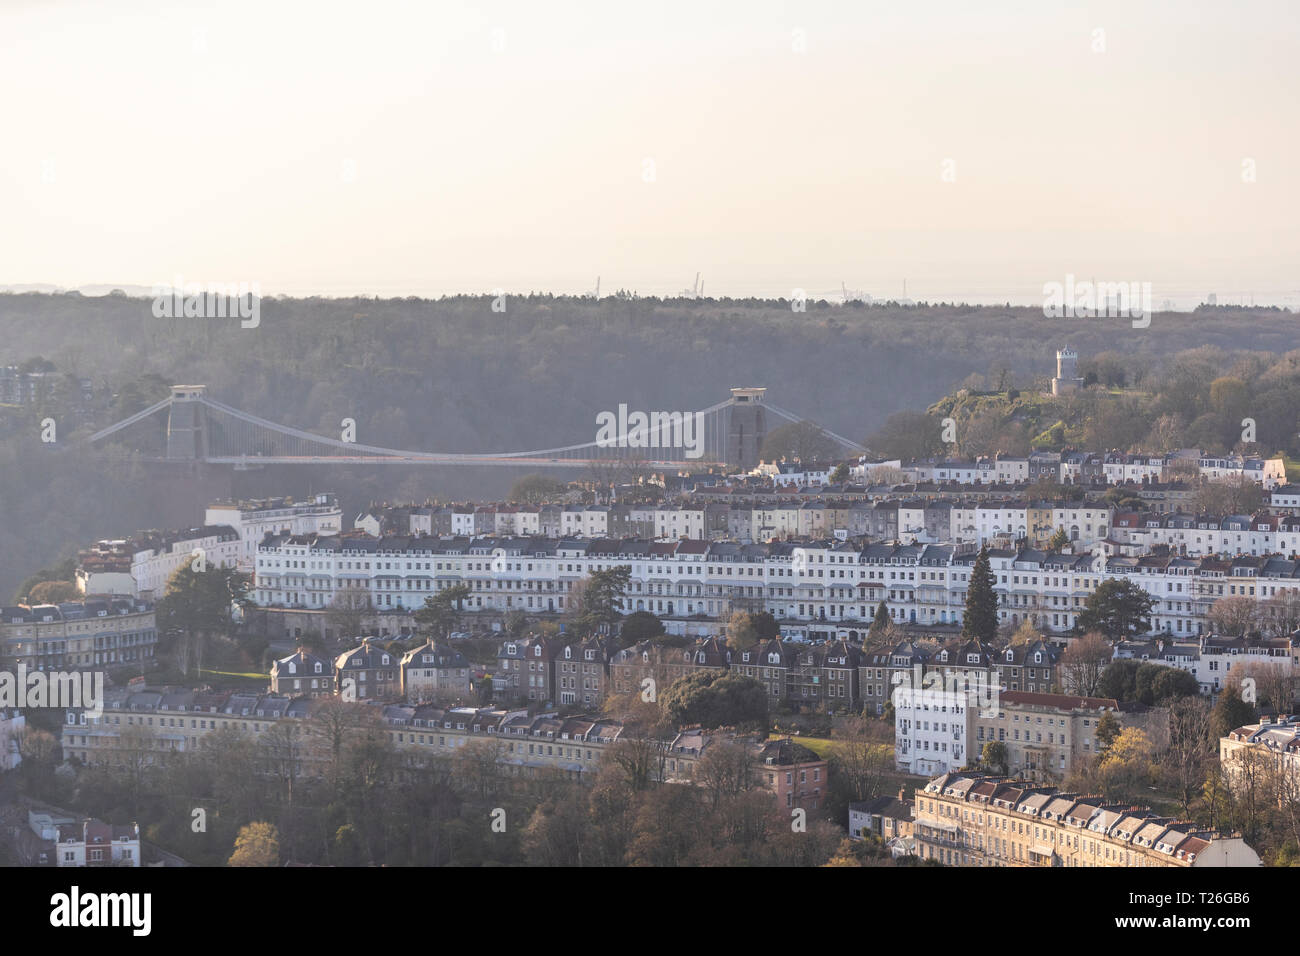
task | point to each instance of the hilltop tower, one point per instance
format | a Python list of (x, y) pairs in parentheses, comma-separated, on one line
[(1067, 372), (746, 426)]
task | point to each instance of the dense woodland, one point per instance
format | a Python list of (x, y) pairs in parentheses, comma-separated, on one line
[(452, 375)]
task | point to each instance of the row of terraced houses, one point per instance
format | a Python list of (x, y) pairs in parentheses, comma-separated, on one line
[(974, 819), (539, 671), (819, 589), (148, 724)]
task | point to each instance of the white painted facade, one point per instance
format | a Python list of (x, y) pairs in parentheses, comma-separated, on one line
[(808, 582), (152, 568), (254, 520), (932, 729)]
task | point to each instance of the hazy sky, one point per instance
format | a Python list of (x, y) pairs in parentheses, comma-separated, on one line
[(428, 147)]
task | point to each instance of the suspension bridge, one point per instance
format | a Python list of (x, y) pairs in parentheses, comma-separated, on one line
[(190, 425)]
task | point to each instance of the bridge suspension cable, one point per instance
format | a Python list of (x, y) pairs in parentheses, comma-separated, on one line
[(126, 422), (234, 436), (430, 456), (791, 416)]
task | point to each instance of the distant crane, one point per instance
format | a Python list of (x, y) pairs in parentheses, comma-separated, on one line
[(695, 291)]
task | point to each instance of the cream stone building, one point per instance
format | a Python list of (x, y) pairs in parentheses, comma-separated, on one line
[(970, 819)]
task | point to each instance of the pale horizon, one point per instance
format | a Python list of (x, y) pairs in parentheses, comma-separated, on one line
[(973, 154)]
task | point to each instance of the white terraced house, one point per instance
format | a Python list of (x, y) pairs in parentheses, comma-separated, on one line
[(141, 566), (933, 728), (835, 586), (254, 520), (1269, 472), (1196, 535), (1286, 496), (1082, 467)]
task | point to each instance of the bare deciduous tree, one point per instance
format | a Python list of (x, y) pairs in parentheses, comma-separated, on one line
[(1191, 747), (1234, 616), (477, 767), (1082, 664), (1275, 682), (346, 613), (333, 724), (1279, 616), (861, 758), (280, 751), (638, 762), (725, 769)]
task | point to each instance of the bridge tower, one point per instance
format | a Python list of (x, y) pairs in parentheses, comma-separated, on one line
[(187, 424), (746, 426)]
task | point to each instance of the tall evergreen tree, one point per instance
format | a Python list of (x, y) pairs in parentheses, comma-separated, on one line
[(600, 601), (981, 619), (879, 624), (1119, 609), (441, 612), (200, 602)]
